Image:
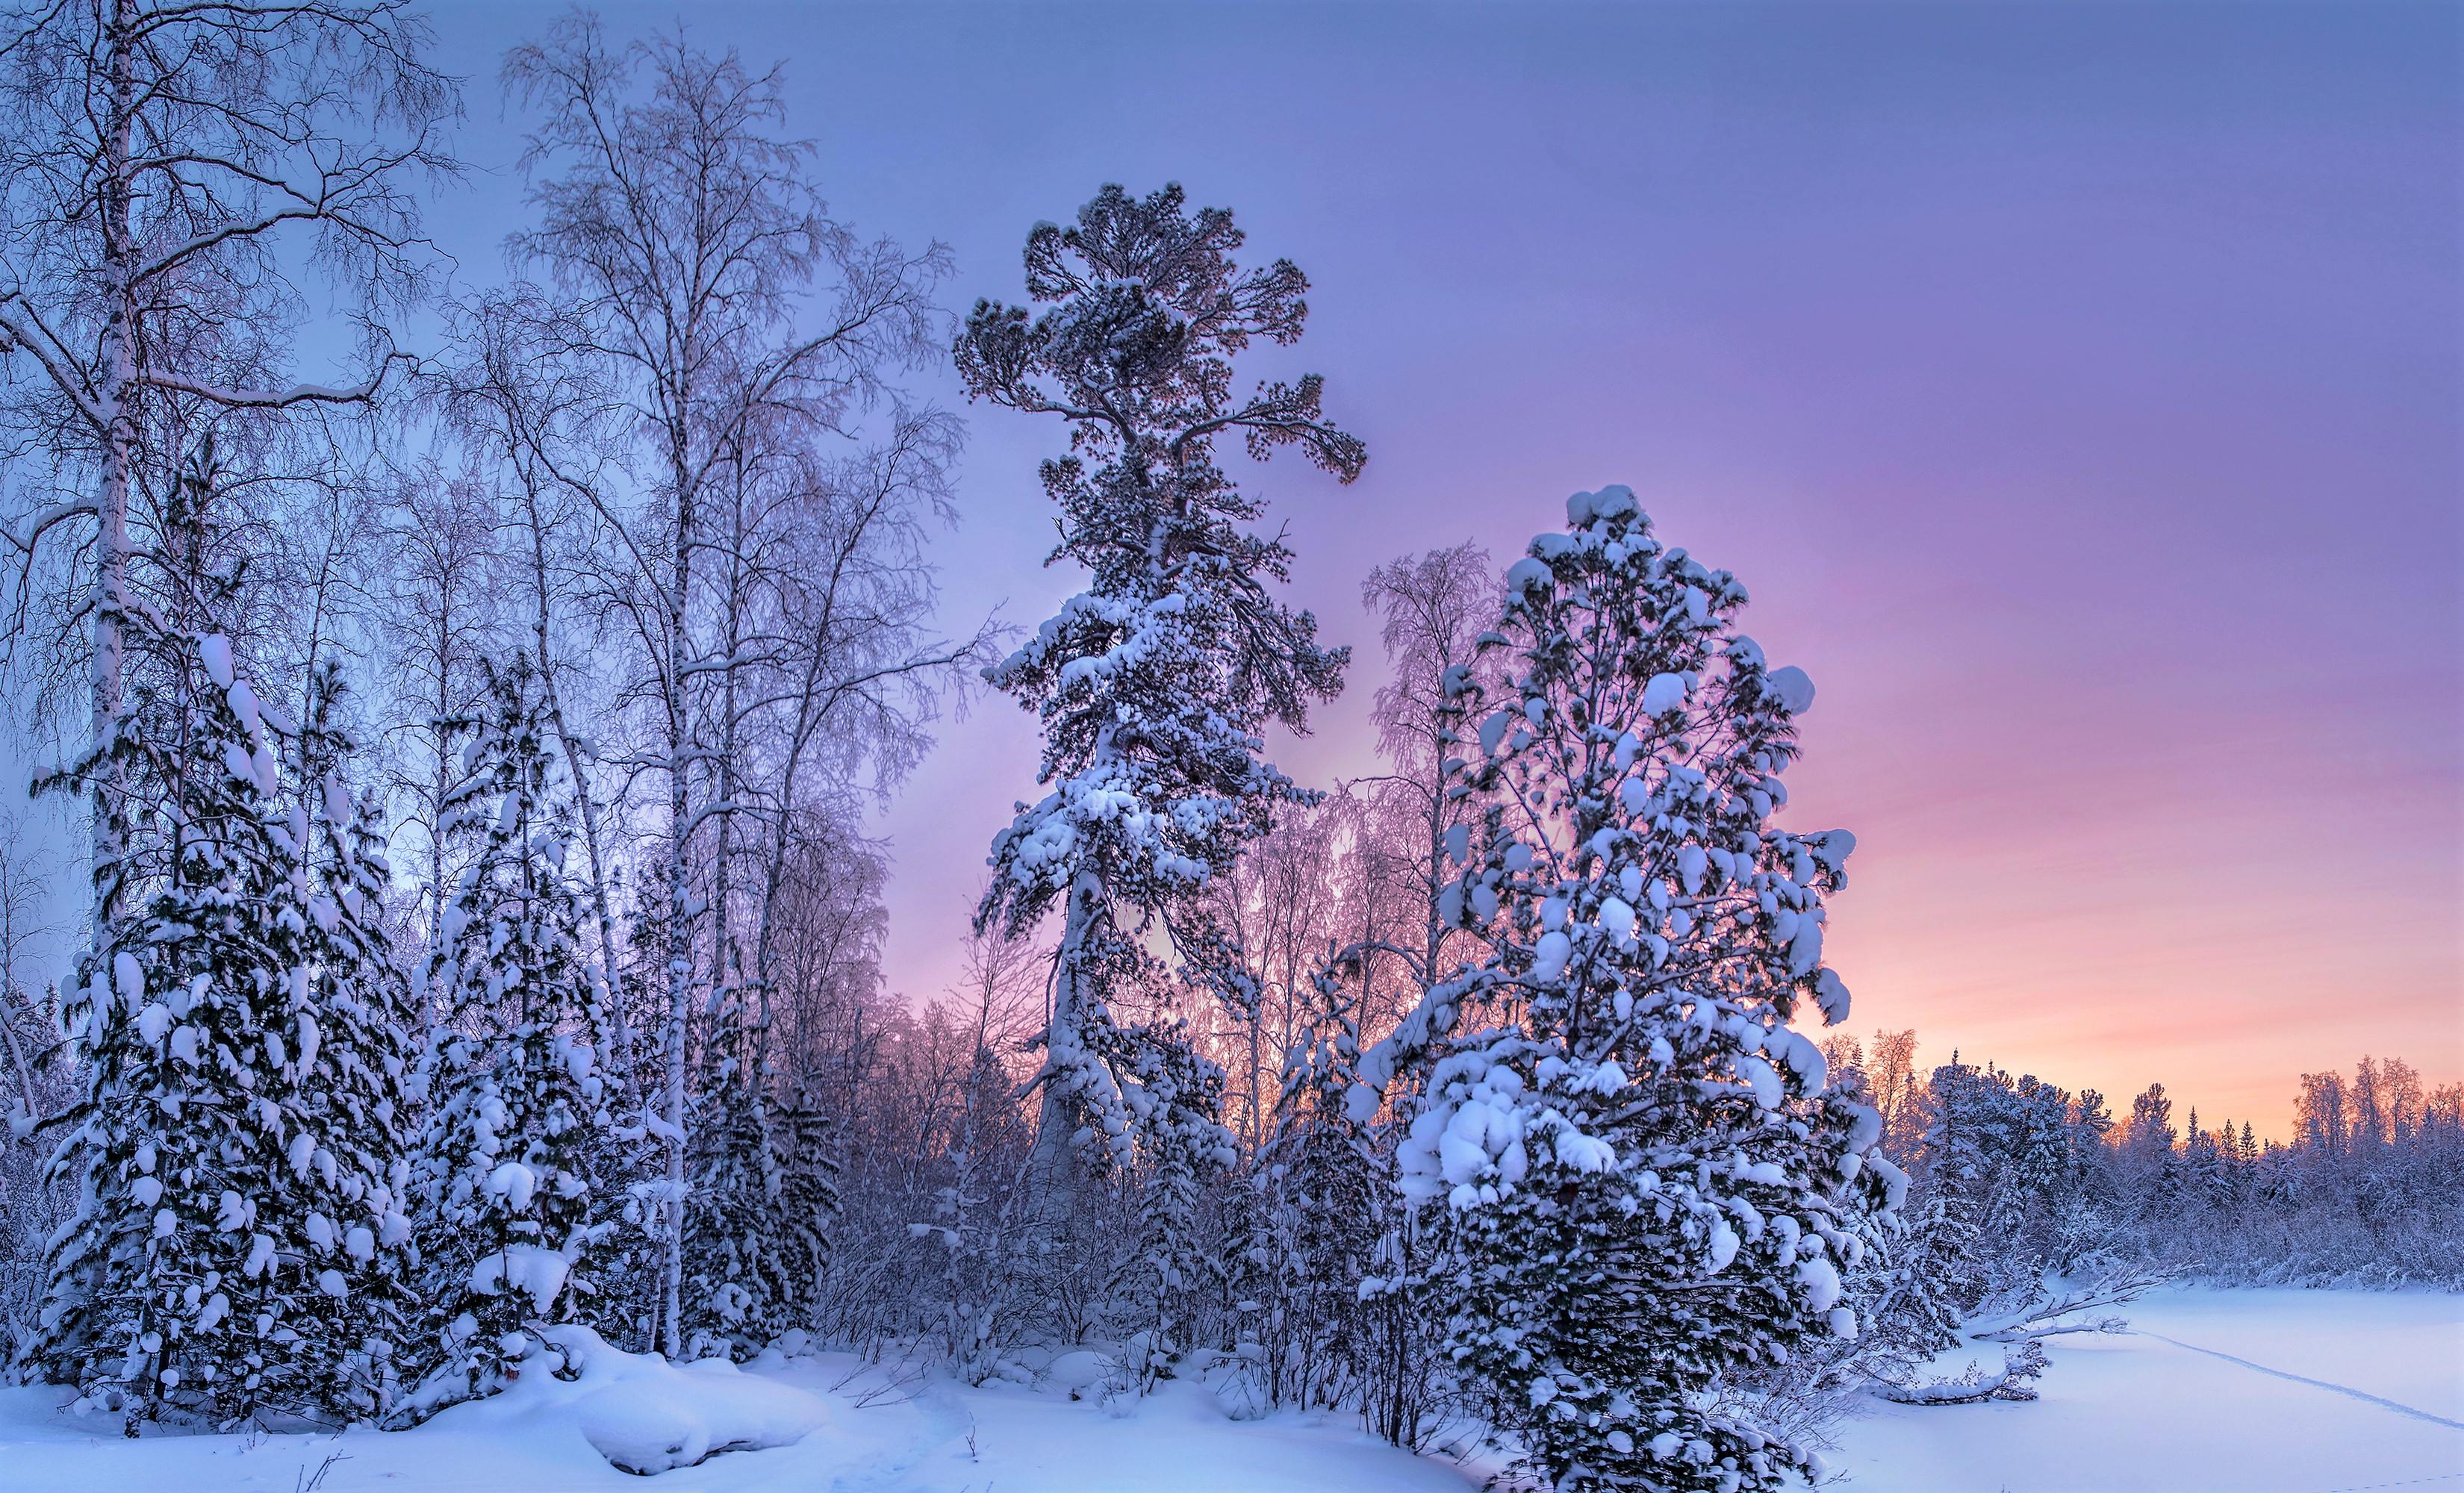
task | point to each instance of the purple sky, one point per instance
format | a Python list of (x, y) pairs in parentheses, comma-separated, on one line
[(2076, 387)]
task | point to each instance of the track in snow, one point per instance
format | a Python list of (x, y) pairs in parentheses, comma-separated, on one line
[(2322, 1384)]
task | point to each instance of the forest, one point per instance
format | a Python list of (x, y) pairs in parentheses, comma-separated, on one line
[(480, 933)]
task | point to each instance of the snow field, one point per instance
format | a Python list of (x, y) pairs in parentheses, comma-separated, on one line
[(829, 1423), (2132, 1414), (2137, 1414)]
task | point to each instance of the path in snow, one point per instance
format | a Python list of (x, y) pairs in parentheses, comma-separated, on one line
[(2341, 1389)]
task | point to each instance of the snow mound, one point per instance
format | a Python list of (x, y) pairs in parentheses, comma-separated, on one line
[(645, 1414)]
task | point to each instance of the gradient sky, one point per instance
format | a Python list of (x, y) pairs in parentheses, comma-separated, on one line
[(2075, 386)]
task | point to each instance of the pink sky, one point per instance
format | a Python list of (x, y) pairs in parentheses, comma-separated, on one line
[(2075, 386)]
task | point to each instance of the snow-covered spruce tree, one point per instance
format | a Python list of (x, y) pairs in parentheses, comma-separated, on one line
[(1906, 1293), (1991, 1161), (1154, 684), (1305, 1224), (737, 1294), (808, 1188), (1919, 1291), (505, 1206), (1644, 1182), (238, 1248)]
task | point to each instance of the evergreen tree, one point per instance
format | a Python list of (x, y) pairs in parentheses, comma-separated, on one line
[(1328, 1271), (1922, 1286), (361, 1106), (1646, 1181), (238, 1244), (809, 1192), (1997, 1150), (1153, 685), (2207, 1166), (738, 1294), (1308, 1223), (508, 1214)]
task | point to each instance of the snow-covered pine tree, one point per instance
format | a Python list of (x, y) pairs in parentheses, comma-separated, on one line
[(1921, 1286), (507, 1212), (1645, 1180), (1326, 1268), (2207, 1165), (237, 1245), (1153, 685), (355, 1014), (1305, 1222)]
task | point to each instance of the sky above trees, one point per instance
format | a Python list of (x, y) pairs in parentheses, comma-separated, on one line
[(2076, 389)]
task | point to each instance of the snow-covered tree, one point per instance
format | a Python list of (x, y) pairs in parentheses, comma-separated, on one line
[(1327, 1265), (166, 171), (808, 1190), (238, 1248), (1993, 1158), (731, 327), (1645, 1183), (1153, 685), (506, 1209), (1919, 1287), (737, 1294)]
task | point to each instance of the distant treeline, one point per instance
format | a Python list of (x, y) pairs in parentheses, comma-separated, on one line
[(2367, 1192)]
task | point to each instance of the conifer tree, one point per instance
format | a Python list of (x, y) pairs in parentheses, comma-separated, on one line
[(1325, 1266), (508, 1211), (1309, 1222), (809, 1192), (1925, 1284), (240, 1245), (1645, 1183), (1153, 685), (738, 1295)]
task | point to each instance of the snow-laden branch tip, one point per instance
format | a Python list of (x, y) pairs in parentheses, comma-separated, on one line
[(270, 399)]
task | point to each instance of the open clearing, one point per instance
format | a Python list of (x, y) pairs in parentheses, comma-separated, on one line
[(2384, 1405), (2228, 1391)]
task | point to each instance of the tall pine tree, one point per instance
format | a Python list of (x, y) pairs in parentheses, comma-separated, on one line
[(1155, 685), (240, 1245)]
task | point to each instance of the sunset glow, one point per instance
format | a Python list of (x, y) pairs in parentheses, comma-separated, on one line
[(2082, 416)]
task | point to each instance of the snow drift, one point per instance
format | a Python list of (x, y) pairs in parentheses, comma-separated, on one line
[(640, 1412)]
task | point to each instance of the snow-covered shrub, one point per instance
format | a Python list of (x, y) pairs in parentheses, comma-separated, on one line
[(1643, 1180)]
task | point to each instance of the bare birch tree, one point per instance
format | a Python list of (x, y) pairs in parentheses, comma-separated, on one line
[(439, 616), (540, 422), (686, 239), (1433, 608), (163, 165)]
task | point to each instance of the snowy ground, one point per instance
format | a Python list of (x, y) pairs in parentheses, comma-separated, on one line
[(2382, 1409), (873, 1438)]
